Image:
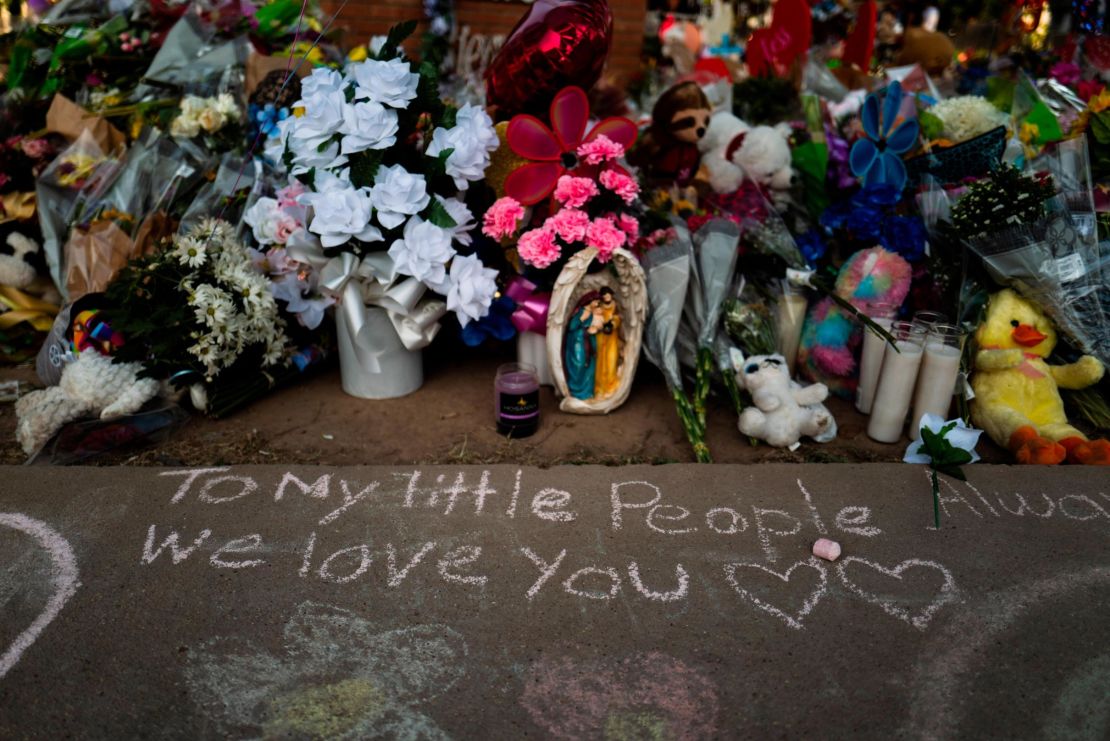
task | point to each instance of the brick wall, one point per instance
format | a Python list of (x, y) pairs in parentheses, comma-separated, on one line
[(361, 19)]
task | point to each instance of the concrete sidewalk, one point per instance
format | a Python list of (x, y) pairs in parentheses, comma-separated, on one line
[(575, 602)]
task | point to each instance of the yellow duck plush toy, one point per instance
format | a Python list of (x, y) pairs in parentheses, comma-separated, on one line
[(1017, 398)]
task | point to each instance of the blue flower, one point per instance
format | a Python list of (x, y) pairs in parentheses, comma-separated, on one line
[(878, 196), (865, 224), (836, 215), (876, 158), (496, 324), (266, 119), (904, 235), (812, 246)]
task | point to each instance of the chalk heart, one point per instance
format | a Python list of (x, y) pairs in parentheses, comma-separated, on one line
[(899, 607), (742, 573)]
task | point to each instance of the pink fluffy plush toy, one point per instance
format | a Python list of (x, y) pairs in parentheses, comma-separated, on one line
[(831, 336)]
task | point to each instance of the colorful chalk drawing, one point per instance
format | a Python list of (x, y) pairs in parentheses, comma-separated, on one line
[(644, 696), (339, 677), (954, 653), (63, 580)]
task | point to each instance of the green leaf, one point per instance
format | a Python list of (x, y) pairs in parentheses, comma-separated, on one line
[(449, 118), (396, 37), (437, 167), (1100, 127), (931, 125), (364, 167), (437, 214)]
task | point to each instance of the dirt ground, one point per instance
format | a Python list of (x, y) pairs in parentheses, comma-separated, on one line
[(449, 421)]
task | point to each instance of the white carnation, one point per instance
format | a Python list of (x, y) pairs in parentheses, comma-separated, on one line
[(423, 253), (472, 289)]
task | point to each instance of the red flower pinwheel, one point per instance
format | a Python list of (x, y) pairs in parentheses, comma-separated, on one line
[(554, 151)]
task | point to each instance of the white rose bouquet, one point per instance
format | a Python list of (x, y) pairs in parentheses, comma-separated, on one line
[(385, 164)]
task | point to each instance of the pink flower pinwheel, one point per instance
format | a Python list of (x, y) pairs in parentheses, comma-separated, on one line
[(553, 151)]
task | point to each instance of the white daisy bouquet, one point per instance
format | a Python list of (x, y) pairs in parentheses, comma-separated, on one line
[(198, 311), (386, 164)]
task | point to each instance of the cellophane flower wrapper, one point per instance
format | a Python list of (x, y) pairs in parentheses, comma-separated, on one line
[(79, 170), (714, 261), (237, 184), (124, 215), (193, 56), (669, 268), (1049, 263)]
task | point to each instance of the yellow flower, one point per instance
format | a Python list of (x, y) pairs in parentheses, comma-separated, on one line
[(1030, 132), (1100, 102), (298, 111), (358, 54)]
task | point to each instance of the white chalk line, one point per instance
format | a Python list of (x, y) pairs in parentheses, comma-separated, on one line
[(64, 574)]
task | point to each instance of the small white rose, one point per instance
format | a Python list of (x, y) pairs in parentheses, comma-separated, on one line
[(472, 288), (397, 194), (391, 83), (368, 125), (423, 253), (339, 211)]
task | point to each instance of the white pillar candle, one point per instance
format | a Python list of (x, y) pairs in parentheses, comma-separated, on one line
[(790, 314), (940, 367), (871, 359), (896, 383)]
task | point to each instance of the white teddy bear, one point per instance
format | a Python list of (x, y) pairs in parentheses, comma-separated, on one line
[(90, 385), (784, 411), (732, 150)]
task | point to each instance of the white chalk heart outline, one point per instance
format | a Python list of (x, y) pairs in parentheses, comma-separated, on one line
[(64, 575), (795, 620), (948, 590)]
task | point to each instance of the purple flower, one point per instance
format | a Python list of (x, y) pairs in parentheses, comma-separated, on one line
[(1065, 73)]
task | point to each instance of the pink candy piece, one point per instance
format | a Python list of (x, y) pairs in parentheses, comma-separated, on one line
[(826, 549)]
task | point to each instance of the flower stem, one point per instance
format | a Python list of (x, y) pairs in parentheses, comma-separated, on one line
[(936, 500)]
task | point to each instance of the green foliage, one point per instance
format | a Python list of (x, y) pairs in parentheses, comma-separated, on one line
[(395, 38), (946, 457)]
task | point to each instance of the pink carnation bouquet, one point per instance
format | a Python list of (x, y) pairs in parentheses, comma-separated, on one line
[(591, 208)]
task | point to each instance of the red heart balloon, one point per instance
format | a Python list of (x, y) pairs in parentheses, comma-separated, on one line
[(557, 43)]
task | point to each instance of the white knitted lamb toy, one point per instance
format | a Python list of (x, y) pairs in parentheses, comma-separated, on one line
[(90, 385)]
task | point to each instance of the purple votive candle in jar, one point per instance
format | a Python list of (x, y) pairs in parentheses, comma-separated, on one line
[(516, 399)]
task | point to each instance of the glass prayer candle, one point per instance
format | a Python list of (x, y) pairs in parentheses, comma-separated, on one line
[(940, 367), (516, 395), (928, 318), (871, 359), (790, 314), (896, 382)]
